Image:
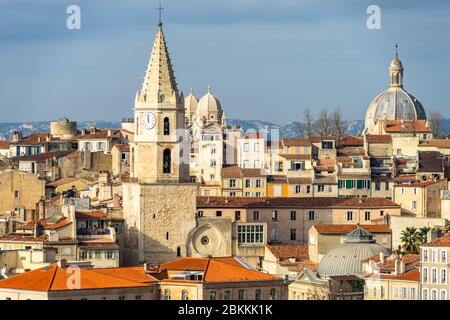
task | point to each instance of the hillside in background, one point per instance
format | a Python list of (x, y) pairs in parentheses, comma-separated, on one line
[(289, 130)]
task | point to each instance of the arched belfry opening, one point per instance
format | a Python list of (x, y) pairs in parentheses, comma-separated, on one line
[(167, 161)]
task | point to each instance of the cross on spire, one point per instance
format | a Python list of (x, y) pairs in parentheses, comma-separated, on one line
[(396, 50), (160, 9)]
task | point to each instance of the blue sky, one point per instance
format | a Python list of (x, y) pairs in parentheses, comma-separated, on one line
[(265, 59)]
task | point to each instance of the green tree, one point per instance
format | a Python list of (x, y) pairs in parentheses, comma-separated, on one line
[(423, 234), (410, 240)]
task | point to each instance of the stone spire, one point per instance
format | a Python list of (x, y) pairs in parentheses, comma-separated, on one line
[(159, 87)]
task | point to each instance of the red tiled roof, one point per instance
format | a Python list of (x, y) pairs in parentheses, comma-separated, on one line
[(98, 244), (100, 134), (296, 156), (285, 251), (443, 241), (266, 202), (347, 228), (299, 180), (410, 126), (92, 215), (4, 145), (417, 184), (61, 182), (226, 269), (122, 147), (378, 138), (350, 141), (408, 259), (136, 274), (40, 157), (20, 238), (33, 139), (411, 275), (437, 143), (46, 225), (237, 172)]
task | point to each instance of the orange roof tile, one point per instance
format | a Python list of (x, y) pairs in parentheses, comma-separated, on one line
[(443, 241), (378, 138), (285, 251), (410, 126), (92, 215), (4, 145), (347, 228), (137, 274)]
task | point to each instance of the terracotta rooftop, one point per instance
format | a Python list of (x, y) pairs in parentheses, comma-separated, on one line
[(285, 251), (41, 157), (61, 182), (4, 145), (136, 274), (98, 134), (347, 228), (21, 238), (54, 278), (443, 241), (122, 147), (46, 224), (410, 126), (378, 138), (237, 172), (266, 202), (296, 156), (299, 180), (92, 215), (417, 184), (408, 259), (98, 244), (351, 151), (437, 143), (350, 141), (33, 139), (226, 269)]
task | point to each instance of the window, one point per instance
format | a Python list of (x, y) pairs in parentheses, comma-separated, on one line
[(246, 147), (212, 295), (184, 295), (377, 185), (293, 234), (237, 215), (367, 215), (443, 294), (298, 189), (274, 215), (218, 213), (425, 294), (382, 292), (274, 234), (414, 191), (349, 215), (241, 295), (166, 126), (138, 297), (320, 188), (425, 255), (167, 161), (308, 189), (122, 298), (167, 236), (433, 275), (386, 186), (273, 294), (381, 212), (232, 183), (166, 294), (227, 295), (425, 275), (311, 215), (433, 294), (413, 295), (402, 190), (258, 294), (251, 233), (404, 293), (258, 183), (247, 183), (293, 215), (330, 215), (256, 147), (16, 194), (444, 256), (443, 276), (255, 215), (248, 194), (199, 214), (414, 205)]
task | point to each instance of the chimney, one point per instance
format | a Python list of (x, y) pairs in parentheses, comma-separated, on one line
[(382, 260), (63, 263)]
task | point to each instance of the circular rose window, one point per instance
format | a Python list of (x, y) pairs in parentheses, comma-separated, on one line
[(204, 240)]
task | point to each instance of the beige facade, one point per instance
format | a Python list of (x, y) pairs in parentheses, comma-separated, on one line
[(434, 269), (20, 190), (420, 199)]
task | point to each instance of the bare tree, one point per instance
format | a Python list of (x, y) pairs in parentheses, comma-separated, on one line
[(307, 130), (340, 128), (324, 123), (437, 124)]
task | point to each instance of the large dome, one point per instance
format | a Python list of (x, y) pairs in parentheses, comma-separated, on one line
[(395, 103), (346, 258), (209, 104)]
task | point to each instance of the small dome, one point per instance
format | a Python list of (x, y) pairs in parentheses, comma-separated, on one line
[(209, 104), (346, 258), (396, 64), (190, 103)]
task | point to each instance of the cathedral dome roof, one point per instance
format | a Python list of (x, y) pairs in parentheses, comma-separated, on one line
[(191, 102), (395, 103), (209, 104), (346, 258)]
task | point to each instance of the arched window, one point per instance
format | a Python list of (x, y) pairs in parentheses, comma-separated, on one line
[(137, 125), (178, 252), (167, 236), (166, 126), (167, 161)]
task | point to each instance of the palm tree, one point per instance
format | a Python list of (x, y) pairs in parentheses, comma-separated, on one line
[(423, 234), (411, 240)]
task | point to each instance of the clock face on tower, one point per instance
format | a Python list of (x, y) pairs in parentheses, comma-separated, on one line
[(149, 120)]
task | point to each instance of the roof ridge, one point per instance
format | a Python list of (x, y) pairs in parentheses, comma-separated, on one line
[(53, 276)]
